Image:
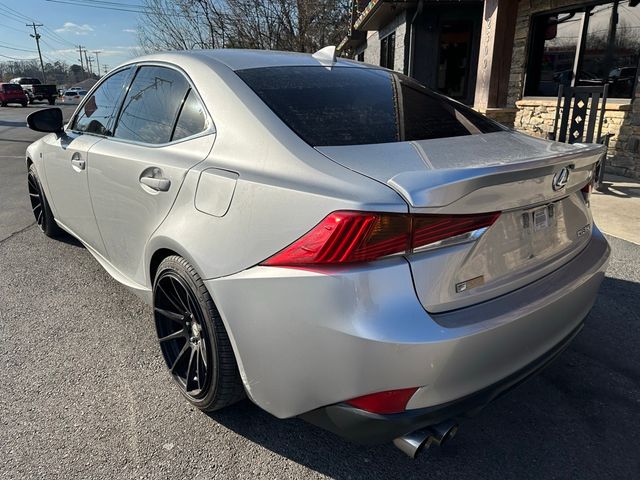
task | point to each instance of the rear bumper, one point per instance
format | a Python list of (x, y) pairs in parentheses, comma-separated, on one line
[(308, 339), (370, 428)]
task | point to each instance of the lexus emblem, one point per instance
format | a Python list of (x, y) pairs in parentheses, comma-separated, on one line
[(560, 179)]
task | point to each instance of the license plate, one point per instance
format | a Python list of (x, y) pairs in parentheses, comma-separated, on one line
[(540, 218)]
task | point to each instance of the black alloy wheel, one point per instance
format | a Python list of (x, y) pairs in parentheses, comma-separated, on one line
[(37, 200), (192, 337), (183, 335), (39, 205)]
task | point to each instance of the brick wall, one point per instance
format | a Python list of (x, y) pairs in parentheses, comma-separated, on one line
[(535, 115)]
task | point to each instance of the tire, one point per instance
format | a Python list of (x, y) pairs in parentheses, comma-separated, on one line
[(40, 206), (52, 101), (193, 338), (24, 104), (3, 104)]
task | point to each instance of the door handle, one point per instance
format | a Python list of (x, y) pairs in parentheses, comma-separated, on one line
[(77, 163), (158, 184)]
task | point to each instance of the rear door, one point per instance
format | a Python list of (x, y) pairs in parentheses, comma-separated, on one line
[(162, 131)]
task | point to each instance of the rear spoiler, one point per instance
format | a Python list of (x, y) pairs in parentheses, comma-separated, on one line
[(496, 187)]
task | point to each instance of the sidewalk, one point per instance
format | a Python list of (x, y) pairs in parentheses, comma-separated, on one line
[(616, 210)]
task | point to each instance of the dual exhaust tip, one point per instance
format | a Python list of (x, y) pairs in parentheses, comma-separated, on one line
[(415, 442)]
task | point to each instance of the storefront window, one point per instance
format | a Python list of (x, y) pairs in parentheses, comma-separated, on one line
[(591, 45), (388, 51)]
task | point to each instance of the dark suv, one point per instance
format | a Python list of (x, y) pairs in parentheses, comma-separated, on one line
[(12, 93)]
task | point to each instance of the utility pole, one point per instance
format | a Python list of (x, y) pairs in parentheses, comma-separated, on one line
[(37, 36), (90, 60), (86, 60), (97, 60), (105, 69), (81, 62)]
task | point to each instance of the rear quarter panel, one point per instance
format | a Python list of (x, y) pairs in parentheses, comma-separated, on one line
[(284, 187)]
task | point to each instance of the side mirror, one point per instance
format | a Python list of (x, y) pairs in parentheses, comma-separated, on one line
[(48, 120)]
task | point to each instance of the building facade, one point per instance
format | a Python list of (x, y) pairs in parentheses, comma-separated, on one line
[(507, 58)]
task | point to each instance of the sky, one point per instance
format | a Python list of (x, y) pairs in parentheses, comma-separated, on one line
[(67, 24)]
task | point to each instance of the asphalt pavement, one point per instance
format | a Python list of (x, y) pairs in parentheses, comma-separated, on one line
[(84, 392)]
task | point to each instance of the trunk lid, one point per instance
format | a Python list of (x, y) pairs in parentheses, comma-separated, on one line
[(541, 227)]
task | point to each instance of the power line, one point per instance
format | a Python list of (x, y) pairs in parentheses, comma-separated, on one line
[(121, 8), (12, 28), (4, 45), (54, 36), (16, 13)]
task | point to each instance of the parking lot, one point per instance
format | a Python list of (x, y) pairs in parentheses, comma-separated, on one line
[(85, 393)]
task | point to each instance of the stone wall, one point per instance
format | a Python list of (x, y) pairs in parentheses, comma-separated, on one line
[(372, 51), (535, 114), (505, 116)]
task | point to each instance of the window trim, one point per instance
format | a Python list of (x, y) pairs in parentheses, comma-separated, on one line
[(135, 66), (577, 61)]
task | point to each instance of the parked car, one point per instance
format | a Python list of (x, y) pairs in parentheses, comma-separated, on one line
[(12, 93), (35, 90), (622, 80), (330, 238), (73, 96)]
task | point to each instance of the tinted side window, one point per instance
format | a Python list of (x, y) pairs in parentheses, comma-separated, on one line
[(192, 118), (98, 111), (152, 104)]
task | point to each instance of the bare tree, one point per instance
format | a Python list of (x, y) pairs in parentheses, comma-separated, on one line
[(297, 25)]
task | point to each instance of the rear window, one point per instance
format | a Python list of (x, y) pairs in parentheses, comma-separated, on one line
[(356, 106), (11, 86)]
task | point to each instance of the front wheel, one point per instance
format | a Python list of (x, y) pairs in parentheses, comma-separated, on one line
[(40, 206), (193, 339), (52, 101)]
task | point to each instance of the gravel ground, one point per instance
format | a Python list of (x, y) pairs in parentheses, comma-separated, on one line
[(85, 394)]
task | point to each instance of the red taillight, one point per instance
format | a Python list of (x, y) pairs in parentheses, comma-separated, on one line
[(346, 237), (391, 401), (428, 229)]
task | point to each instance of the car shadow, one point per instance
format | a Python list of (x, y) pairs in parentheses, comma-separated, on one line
[(577, 419), (64, 237)]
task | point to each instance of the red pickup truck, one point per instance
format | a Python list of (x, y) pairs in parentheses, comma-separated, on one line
[(12, 93)]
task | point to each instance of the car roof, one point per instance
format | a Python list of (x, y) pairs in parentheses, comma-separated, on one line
[(239, 59)]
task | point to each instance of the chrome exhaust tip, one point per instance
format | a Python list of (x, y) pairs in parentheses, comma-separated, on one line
[(443, 432), (413, 443)]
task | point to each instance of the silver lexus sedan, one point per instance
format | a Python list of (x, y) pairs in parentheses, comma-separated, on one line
[(331, 239)]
